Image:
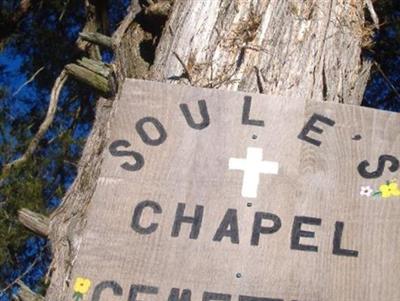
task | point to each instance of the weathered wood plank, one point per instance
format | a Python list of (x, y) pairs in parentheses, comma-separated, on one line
[(307, 235), (311, 46), (332, 190)]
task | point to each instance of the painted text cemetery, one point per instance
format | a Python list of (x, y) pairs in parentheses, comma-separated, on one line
[(210, 195)]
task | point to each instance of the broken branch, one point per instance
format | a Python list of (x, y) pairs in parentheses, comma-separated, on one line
[(93, 73), (26, 294), (373, 14), (96, 38), (133, 10), (35, 222), (54, 96), (185, 68), (28, 81)]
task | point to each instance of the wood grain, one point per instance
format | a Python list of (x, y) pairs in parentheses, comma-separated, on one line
[(310, 48), (191, 167)]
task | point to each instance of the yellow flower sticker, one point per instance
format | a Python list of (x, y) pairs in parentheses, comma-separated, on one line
[(390, 189), (81, 287)]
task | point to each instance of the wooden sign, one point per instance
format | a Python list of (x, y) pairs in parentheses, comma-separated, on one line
[(212, 195)]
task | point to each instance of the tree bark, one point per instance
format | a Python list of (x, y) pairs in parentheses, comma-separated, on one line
[(309, 48)]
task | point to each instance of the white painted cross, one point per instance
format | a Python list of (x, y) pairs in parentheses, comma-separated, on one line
[(253, 166)]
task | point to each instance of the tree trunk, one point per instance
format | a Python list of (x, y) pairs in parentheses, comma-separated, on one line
[(309, 48)]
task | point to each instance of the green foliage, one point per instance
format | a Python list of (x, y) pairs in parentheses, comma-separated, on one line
[(22, 188), (33, 185), (44, 35)]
